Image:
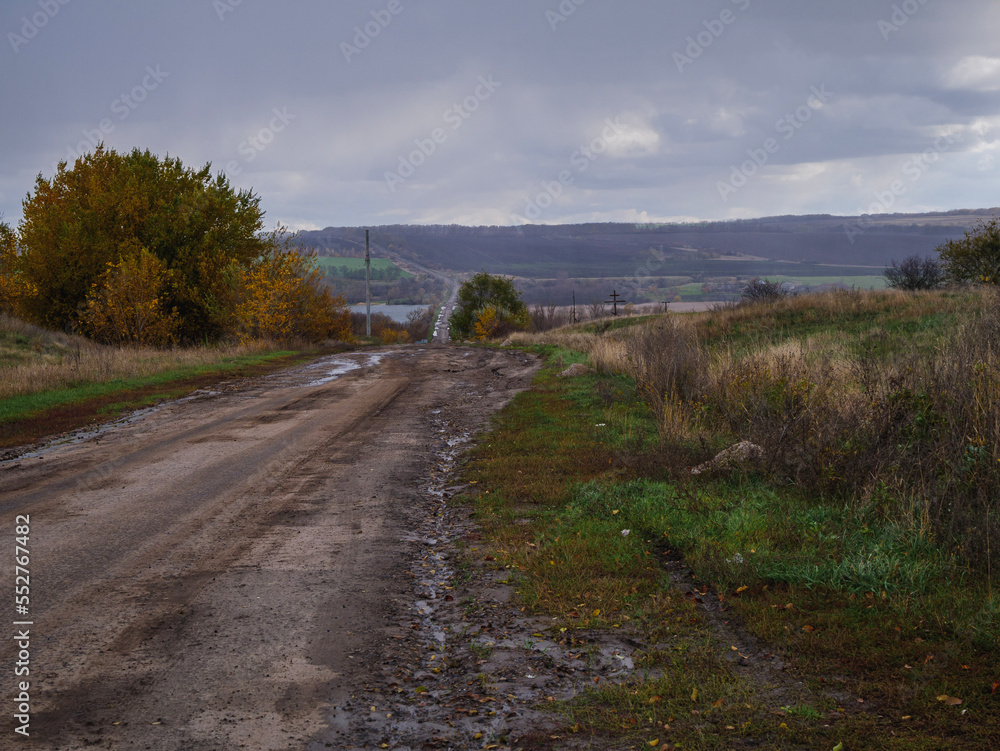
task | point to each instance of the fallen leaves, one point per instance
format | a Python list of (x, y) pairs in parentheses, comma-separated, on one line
[(951, 701)]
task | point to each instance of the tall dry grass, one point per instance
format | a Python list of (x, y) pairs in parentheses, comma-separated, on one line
[(35, 360), (872, 397)]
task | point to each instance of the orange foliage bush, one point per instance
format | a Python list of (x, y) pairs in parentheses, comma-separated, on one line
[(282, 295), (125, 305)]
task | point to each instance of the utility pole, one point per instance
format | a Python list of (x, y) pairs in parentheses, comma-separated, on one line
[(368, 288), (573, 317)]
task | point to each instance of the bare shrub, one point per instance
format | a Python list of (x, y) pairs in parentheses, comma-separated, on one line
[(762, 291), (384, 328), (547, 317), (668, 365), (914, 273), (418, 324), (597, 310)]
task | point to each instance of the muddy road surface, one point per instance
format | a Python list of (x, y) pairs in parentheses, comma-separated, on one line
[(235, 569)]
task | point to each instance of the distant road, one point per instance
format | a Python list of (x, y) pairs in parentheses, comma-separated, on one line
[(440, 333)]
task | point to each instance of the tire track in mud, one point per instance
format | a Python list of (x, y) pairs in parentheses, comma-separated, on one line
[(468, 670)]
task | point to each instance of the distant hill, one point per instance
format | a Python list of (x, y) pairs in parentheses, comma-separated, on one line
[(613, 250)]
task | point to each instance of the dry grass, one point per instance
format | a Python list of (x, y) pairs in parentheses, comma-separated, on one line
[(34, 360), (861, 395)]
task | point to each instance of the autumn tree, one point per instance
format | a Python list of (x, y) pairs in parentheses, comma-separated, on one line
[(975, 259), (13, 289), (196, 225), (488, 306), (282, 294), (125, 305)]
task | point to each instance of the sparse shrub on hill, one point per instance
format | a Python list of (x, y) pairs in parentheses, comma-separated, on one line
[(762, 291), (918, 427), (975, 259), (914, 273), (884, 401)]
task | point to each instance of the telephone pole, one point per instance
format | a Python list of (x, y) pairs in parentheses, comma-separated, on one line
[(368, 288)]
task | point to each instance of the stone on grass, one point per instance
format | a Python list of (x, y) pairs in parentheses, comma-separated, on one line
[(741, 456), (577, 368)]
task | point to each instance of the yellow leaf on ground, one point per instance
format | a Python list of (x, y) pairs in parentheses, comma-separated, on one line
[(951, 701)]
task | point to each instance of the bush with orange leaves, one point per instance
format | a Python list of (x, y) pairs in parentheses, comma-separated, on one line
[(125, 305), (390, 334), (282, 296), (488, 323)]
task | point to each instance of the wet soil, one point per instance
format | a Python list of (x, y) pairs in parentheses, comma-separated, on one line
[(228, 570)]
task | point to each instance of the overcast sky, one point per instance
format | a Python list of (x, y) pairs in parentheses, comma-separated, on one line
[(350, 112)]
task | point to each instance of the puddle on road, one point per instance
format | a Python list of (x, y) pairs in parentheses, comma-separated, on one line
[(339, 365)]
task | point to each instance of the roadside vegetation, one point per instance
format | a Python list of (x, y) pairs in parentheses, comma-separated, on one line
[(52, 382), (853, 552)]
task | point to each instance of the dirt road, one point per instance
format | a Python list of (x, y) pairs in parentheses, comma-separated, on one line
[(227, 570)]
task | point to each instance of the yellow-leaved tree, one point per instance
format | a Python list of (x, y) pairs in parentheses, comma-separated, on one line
[(488, 323), (282, 295), (125, 305)]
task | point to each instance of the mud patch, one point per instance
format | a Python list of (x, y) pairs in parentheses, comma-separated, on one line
[(470, 670)]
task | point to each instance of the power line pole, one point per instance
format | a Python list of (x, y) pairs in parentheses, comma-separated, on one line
[(368, 288)]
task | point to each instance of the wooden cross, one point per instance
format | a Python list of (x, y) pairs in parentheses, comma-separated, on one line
[(614, 301)]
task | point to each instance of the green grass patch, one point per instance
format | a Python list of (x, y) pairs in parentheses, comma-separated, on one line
[(580, 500), (30, 405), (29, 418)]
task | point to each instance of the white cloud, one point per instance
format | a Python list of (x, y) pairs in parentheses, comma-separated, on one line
[(975, 73)]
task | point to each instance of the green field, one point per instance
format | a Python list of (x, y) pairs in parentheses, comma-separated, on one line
[(875, 281), (356, 264), (693, 290)]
